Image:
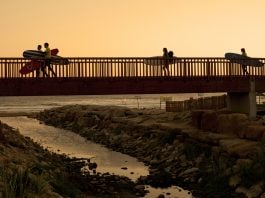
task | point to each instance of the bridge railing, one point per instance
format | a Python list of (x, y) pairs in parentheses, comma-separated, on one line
[(140, 67)]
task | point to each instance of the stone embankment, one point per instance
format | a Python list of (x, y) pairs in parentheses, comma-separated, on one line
[(213, 154)]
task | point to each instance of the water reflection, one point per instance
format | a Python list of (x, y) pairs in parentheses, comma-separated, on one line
[(63, 141)]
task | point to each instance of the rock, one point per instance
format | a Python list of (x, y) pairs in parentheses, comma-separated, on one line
[(238, 147), (154, 162), (253, 132), (231, 123), (227, 172), (242, 190), (153, 170), (255, 190), (234, 181), (242, 163), (199, 180), (189, 172), (142, 179), (160, 179), (183, 158), (199, 160), (209, 121), (183, 164), (92, 165), (139, 187)]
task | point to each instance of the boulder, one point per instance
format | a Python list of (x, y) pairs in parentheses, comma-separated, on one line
[(231, 123), (190, 171), (242, 190), (234, 180), (253, 132), (255, 190), (209, 121), (238, 147)]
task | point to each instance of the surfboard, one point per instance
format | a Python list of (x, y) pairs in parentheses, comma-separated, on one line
[(243, 60), (158, 61), (34, 63), (34, 54), (30, 67), (58, 60)]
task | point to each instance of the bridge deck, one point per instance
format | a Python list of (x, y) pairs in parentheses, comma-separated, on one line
[(130, 76)]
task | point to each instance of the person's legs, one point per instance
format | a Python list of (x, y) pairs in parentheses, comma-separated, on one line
[(244, 67), (165, 67), (53, 73), (38, 72), (43, 69)]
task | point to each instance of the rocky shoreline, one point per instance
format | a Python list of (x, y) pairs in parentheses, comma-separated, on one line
[(207, 162)]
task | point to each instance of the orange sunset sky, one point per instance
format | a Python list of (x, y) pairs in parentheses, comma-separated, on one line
[(133, 28)]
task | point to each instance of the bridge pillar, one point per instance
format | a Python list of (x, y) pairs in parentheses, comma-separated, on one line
[(243, 102)]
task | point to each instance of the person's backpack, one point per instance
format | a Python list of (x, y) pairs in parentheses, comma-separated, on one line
[(171, 56)]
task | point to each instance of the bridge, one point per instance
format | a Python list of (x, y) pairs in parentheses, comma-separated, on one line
[(132, 75)]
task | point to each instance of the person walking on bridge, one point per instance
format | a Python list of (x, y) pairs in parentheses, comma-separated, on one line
[(47, 55), (165, 61), (38, 69), (244, 67)]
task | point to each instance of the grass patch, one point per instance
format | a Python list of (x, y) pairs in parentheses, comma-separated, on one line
[(16, 182), (38, 184), (65, 188)]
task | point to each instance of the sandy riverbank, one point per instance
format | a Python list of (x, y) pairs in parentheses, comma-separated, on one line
[(209, 163)]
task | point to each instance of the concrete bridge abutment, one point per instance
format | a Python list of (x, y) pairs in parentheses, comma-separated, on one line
[(243, 102)]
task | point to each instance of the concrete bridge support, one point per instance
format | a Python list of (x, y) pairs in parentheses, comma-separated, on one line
[(243, 102)]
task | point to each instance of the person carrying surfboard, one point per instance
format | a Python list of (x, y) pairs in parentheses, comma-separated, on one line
[(38, 69), (47, 55), (244, 67), (47, 59)]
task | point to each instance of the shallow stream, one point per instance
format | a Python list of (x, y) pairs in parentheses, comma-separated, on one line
[(67, 142)]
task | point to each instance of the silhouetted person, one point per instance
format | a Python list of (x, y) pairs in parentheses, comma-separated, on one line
[(165, 61), (47, 56), (38, 69), (244, 67)]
